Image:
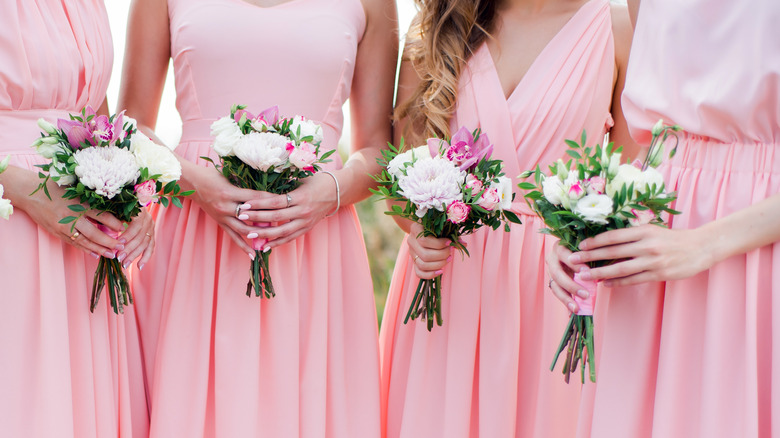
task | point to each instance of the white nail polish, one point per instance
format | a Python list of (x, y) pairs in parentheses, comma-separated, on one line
[(243, 217), (251, 236)]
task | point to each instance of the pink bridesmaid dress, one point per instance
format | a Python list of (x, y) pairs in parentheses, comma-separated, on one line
[(701, 359), (485, 371), (219, 364), (64, 372)]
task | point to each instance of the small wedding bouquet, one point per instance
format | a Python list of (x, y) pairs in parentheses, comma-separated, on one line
[(267, 153), (108, 165), (452, 188), (6, 209), (587, 196)]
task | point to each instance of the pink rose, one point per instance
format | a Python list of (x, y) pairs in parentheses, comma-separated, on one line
[(642, 217), (576, 191), (489, 199), (596, 185), (458, 211), (303, 156), (473, 183), (146, 192)]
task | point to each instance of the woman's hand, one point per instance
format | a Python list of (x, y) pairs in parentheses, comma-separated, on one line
[(224, 202), (645, 253), (296, 215), (139, 237), (561, 270), (429, 254)]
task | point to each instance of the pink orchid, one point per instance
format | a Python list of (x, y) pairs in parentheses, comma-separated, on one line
[(242, 112), (435, 146), (103, 130), (270, 116), (78, 134)]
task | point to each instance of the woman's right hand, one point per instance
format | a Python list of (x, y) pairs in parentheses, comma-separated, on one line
[(222, 200), (429, 254), (562, 282)]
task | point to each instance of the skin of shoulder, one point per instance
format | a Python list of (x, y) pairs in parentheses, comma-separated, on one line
[(622, 32)]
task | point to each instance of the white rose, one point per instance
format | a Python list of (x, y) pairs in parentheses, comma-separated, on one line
[(594, 208), (650, 176), (303, 128), (553, 190), (504, 187), (6, 209), (262, 150), (158, 159), (397, 164), (626, 175), (226, 135), (58, 175)]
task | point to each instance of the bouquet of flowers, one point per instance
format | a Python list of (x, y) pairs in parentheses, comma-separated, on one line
[(270, 154), (6, 209), (589, 195), (452, 188), (108, 165)]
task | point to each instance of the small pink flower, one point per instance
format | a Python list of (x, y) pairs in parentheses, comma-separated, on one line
[(242, 112), (473, 183), (642, 217), (577, 190), (596, 185), (636, 163), (489, 199), (458, 211), (302, 157), (269, 115), (146, 192)]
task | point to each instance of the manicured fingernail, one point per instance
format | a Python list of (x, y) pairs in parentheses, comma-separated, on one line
[(607, 283), (586, 275), (108, 255), (94, 255), (583, 293), (126, 264), (119, 247), (251, 236), (122, 240), (439, 272), (245, 206), (571, 307), (141, 266), (251, 255), (583, 245), (121, 256), (574, 258), (449, 259), (266, 248), (243, 217)]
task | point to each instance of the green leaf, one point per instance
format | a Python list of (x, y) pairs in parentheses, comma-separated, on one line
[(78, 208), (526, 186), (176, 202), (67, 219)]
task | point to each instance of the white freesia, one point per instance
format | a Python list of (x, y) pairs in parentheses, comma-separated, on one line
[(553, 190), (397, 164), (307, 128), (226, 135), (6, 209), (106, 170), (58, 174), (433, 183), (504, 187), (594, 208), (158, 159), (261, 150)]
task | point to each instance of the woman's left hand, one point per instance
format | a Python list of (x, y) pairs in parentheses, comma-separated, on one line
[(140, 240), (645, 253), (308, 204)]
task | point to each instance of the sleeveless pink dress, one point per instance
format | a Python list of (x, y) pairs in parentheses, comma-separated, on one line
[(702, 358), (304, 363), (64, 372), (485, 371)]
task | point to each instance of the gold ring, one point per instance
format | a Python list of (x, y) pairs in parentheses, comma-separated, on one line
[(415, 258), (75, 235), (289, 200), (238, 210), (148, 235)]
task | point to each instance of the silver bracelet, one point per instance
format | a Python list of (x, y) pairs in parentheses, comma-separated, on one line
[(338, 193)]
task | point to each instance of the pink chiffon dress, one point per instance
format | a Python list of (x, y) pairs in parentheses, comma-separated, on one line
[(64, 372), (699, 357), (485, 371), (220, 364)]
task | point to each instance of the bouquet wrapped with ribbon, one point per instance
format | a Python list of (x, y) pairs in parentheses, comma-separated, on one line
[(268, 153), (452, 188), (590, 194), (107, 165)]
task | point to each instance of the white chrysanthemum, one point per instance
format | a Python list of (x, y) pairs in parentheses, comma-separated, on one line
[(158, 159), (106, 170), (261, 150), (504, 187), (433, 183), (59, 175), (226, 134), (594, 208), (6, 209), (307, 128), (396, 165)]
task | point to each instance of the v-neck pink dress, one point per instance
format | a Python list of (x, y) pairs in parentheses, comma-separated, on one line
[(485, 371), (701, 358), (220, 364), (64, 372)]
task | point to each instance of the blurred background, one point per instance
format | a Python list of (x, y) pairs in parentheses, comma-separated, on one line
[(382, 236)]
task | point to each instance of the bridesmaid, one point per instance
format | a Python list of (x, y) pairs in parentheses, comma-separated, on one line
[(701, 356), (64, 371), (304, 363), (537, 72)]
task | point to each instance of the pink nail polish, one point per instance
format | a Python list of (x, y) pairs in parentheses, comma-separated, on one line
[(571, 307), (243, 217), (251, 236), (583, 294), (449, 259), (141, 266), (94, 255), (574, 258), (586, 275), (119, 247), (251, 255), (125, 265), (266, 248), (439, 272), (108, 255), (121, 256), (122, 241)]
